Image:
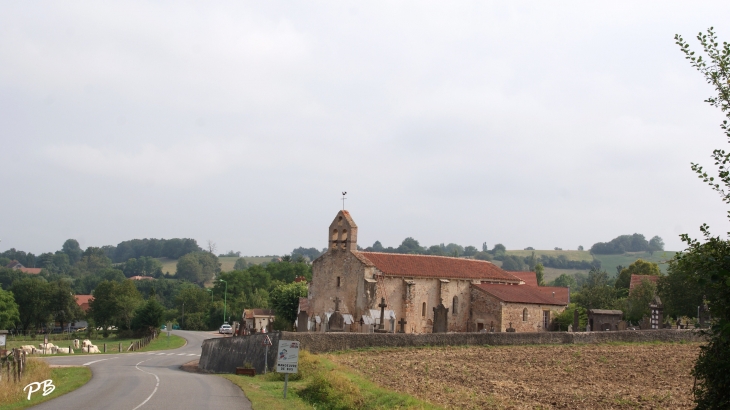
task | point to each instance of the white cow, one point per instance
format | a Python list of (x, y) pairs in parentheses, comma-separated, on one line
[(28, 349), (86, 342), (92, 349), (76, 343), (46, 346), (65, 350)]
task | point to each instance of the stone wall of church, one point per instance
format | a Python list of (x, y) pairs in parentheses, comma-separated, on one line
[(485, 311), (514, 312), (356, 295), (415, 302)]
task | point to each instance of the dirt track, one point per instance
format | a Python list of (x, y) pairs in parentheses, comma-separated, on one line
[(650, 376)]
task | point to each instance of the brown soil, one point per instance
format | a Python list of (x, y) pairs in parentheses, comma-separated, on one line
[(646, 376)]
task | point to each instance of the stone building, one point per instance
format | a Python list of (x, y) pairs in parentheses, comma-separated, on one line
[(413, 285)]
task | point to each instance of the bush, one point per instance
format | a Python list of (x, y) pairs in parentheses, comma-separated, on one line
[(330, 390)]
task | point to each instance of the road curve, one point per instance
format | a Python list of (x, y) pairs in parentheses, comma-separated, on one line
[(148, 381)]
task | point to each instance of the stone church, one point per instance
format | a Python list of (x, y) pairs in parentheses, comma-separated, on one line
[(479, 295)]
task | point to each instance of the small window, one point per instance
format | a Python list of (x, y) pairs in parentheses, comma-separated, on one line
[(423, 310), (454, 305), (546, 319), (338, 281), (524, 315)]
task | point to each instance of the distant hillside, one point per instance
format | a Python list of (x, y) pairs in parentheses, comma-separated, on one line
[(227, 262), (608, 262)]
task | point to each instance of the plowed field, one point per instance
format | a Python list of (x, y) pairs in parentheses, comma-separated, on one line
[(627, 376)]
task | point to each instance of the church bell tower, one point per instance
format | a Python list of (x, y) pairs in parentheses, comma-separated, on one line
[(343, 232)]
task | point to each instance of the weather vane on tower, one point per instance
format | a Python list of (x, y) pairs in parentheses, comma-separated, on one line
[(343, 200)]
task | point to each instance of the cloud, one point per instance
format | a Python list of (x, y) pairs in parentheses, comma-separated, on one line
[(178, 165)]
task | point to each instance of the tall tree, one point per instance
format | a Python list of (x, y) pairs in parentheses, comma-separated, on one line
[(9, 314), (32, 296), (72, 249), (708, 263), (285, 300), (62, 303), (639, 267)]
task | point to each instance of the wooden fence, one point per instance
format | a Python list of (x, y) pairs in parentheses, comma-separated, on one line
[(141, 343), (12, 364)]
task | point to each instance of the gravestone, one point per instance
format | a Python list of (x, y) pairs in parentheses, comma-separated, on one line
[(381, 325), (576, 319), (440, 318), (402, 322), (570, 328), (336, 322), (302, 322), (656, 308), (510, 328), (588, 327)]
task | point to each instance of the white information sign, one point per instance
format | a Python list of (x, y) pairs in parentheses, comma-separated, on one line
[(2, 340), (287, 357)]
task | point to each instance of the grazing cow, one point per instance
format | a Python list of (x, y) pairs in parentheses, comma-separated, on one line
[(65, 350), (28, 349), (92, 349), (86, 342), (76, 343)]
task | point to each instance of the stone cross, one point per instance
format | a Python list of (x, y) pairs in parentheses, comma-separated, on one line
[(382, 306), (402, 322), (337, 304)]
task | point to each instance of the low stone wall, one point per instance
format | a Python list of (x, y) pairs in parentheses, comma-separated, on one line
[(222, 355)]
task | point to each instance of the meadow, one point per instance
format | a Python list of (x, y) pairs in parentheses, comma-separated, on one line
[(227, 262)]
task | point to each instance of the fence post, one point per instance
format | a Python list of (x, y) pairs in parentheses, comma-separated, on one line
[(120, 347), (104, 347)]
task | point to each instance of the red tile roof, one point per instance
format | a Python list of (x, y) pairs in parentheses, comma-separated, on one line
[(530, 278), (251, 313), (426, 266), (637, 279), (83, 301), (561, 293), (519, 294)]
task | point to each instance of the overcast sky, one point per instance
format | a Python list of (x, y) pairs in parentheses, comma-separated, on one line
[(529, 124)]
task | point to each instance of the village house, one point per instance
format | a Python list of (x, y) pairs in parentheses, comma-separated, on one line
[(477, 295), (258, 319), (18, 266)]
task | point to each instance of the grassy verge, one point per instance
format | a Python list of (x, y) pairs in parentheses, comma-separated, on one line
[(112, 344), (66, 379), (322, 384)]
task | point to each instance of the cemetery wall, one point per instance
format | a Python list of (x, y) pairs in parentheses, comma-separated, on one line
[(222, 355)]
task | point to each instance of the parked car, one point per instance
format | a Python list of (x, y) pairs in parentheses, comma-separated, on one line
[(226, 329)]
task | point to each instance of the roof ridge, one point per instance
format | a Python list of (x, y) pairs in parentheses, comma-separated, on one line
[(429, 256)]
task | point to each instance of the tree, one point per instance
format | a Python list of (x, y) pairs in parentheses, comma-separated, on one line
[(104, 306), (148, 317), (680, 296), (409, 245), (9, 314), (285, 300), (62, 303), (580, 247), (637, 304), (707, 263), (513, 263), (596, 292), (639, 267), (72, 249), (32, 296), (540, 274), (189, 268), (565, 280), (656, 244)]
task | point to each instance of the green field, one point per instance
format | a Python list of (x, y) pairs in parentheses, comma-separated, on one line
[(571, 255), (66, 379), (608, 262), (227, 262)]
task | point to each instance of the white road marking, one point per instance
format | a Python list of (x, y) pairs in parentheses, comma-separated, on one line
[(156, 385), (181, 354), (96, 361)]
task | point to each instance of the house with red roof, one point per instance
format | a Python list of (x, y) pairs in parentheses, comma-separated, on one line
[(637, 279), (412, 286), (18, 266)]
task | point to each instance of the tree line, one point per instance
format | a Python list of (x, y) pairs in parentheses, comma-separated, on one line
[(628, 243)]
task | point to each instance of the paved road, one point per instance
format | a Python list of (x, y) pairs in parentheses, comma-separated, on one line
[(148, 381)]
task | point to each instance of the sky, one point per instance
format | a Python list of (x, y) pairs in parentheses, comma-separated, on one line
[(526, 124)]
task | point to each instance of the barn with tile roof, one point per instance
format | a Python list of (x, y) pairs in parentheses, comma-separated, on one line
[(413, 285)]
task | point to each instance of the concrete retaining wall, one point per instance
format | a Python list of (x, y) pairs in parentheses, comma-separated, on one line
[(222, 355)]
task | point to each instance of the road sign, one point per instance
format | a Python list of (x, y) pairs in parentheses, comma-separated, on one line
[(267, 341), (287, 357)]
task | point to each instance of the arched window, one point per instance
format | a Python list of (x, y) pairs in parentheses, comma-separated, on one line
[(423, 310), (524, 315), (454, 305)]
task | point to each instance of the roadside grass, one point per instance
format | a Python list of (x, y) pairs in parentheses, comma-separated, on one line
[(112, 344), (322, 384), (66, 379)]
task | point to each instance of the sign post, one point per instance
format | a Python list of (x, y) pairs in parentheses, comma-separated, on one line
[(3, 335), (168, 328), (267, 343), (287, 359)]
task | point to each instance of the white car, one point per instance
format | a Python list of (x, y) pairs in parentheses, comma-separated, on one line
[(226, 329)]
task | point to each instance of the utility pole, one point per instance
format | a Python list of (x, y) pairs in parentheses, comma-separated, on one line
[(225, 296)]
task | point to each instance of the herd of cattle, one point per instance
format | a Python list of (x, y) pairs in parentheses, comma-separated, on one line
[(50, 348)]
